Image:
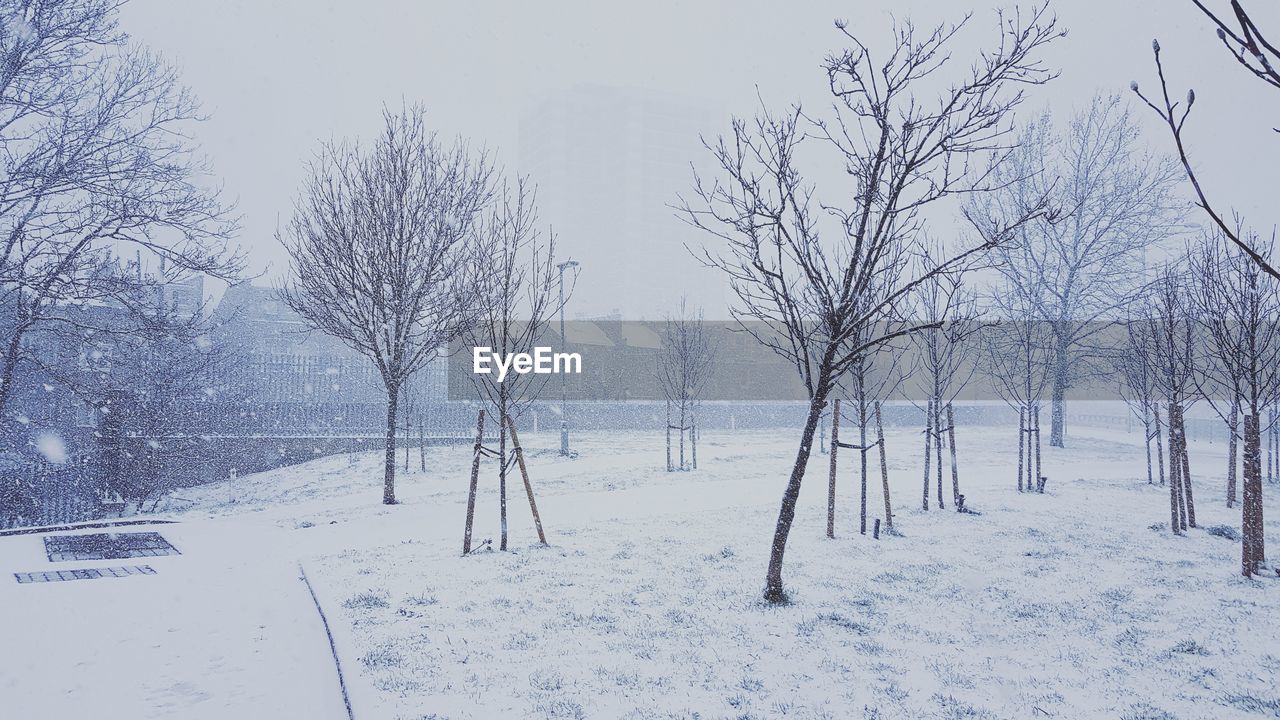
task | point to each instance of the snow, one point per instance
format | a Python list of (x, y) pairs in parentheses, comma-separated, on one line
[(646, 604), (51, 447), (224, 630)]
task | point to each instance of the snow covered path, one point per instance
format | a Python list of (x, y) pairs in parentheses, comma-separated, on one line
[(224, 630)]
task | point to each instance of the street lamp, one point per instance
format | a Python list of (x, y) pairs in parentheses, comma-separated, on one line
[(564, 409)]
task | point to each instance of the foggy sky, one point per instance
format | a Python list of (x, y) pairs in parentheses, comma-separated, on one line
[(279, 77)]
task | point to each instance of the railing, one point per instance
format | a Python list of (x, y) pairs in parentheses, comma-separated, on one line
[(1207, 429), (45, 493)]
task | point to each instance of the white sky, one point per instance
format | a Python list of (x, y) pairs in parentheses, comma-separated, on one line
[(279, 77)]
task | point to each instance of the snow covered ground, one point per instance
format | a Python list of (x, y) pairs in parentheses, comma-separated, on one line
[(1076, 603), (224, 630)]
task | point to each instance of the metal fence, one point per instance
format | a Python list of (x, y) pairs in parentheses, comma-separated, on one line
[(46, 493), (1206, 429)]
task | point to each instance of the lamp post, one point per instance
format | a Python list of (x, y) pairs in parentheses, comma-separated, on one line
[(564, 408)]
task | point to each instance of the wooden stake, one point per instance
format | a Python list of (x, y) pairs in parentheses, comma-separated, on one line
[(1233, 425), (928, 450), (884, 469), (1270, 447), (475, 477), (524, 473), (862, 457), (1022, 441), (937, 424), (955, 473), (831, 476), (408, 430), (1274, 433), (1036, 412)]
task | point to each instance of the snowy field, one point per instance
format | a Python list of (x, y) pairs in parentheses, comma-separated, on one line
[(1076, 603)]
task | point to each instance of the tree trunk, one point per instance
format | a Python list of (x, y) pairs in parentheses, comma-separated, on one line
[(475, 477), (928, 451), (422, 444), (831, 473), (1186, 469), (884, 469), (1146, 433), (1233, 426), (1174, 523), (669, 468), (1058, 418), (693, 439), (1175, 471), (955, 472), (13, 353), (1253, 551), (683, 425), (1022, 441), (1175, 498), (1155, 413), (773, 591), (389, 463)]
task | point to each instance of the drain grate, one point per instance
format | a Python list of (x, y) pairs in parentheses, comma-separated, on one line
[(106, 546), (83, 574)]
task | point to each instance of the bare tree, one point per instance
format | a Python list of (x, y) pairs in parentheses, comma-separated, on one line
[(1018, 350), (945, 360), (378, 244), (685, 364), (802, 280), (868, 383), (414, 405), (1239, 309), (1136, 367), (1172, 334), (95, 157), (1246, 43), (515, 300), (1113, 201), (865, 385)]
